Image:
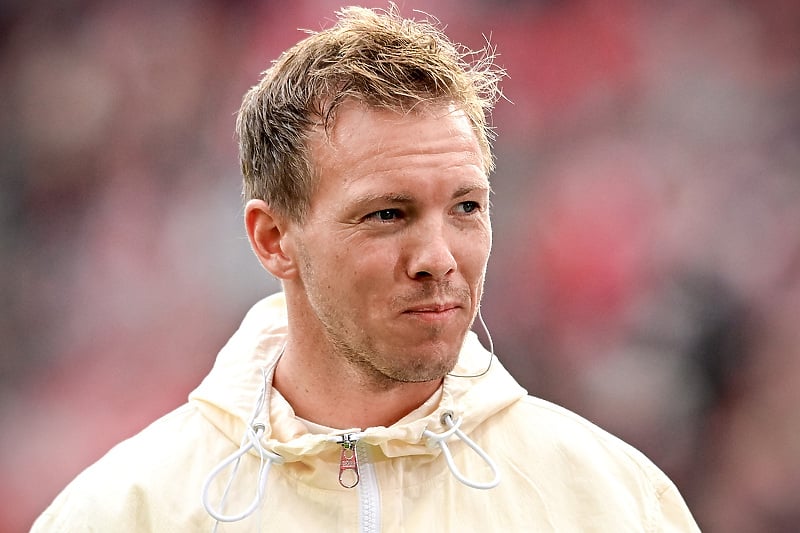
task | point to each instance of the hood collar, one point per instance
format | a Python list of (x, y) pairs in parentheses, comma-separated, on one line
[(245, 366)]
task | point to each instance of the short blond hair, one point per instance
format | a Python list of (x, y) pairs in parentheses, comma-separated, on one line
[(375, 57)]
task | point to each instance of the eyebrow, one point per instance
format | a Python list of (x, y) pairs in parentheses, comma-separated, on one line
[(405, 198), (467, 189), (392, 198)]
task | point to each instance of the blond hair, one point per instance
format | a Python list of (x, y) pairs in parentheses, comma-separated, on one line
[(374, 57)]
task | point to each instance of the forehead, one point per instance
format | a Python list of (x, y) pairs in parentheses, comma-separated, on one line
[(364, 138)]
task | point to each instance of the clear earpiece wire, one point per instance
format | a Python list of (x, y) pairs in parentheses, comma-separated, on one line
[(491, 351)]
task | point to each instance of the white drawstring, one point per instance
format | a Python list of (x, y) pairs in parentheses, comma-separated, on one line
[(253, 441), (440, 440), (250, 441)]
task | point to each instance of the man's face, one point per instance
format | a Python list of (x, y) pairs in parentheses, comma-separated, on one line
[(393, 251)]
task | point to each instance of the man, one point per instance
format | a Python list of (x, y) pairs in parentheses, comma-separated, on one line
[(357, 399)]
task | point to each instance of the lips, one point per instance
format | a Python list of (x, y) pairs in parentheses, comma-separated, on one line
[(433, 307), (434, 312), (434, 302)]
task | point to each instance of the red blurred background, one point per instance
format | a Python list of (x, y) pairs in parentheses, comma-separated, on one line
[(646, 269)]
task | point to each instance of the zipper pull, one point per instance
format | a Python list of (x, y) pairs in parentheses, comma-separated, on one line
[(348, 464)]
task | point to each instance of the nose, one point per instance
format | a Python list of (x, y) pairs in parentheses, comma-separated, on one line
[(431, 255)]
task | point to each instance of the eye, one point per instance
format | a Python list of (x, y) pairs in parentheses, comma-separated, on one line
[(468, 207), (385, 215)]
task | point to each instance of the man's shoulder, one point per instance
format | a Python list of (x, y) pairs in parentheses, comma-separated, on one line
[(156, 446), (580, 470), (553, 433), (544, 419)]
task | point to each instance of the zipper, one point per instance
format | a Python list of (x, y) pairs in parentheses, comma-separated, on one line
[(355, 468), (369, 496), (348, 462)]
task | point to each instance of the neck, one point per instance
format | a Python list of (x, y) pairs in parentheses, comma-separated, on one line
[(324, 389)]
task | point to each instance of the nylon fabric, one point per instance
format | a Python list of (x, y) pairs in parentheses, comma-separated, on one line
[(558, 471)]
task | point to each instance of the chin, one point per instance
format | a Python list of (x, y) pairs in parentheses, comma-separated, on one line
[(433, 365), (422, 375)]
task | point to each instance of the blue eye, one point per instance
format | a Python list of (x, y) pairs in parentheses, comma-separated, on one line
[(468, 206), (385, 215)]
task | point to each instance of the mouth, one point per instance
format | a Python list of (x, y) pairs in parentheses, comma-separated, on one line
[(433, 307), (434, 310)]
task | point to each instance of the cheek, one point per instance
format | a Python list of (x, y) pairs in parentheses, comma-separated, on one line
[(364, 271), (475, 251)]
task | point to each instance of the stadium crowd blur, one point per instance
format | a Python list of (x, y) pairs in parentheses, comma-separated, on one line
[(646, 268)]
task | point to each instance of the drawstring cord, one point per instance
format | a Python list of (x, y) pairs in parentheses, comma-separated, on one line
[(440, 440), (250, 441)]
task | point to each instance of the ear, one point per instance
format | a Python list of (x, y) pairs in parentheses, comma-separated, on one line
[(267, 233)]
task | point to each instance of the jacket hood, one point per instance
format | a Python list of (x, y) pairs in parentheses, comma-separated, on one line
[(237, 394)]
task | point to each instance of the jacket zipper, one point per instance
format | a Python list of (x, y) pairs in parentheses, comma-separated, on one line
[(348, 462), (356, 469)]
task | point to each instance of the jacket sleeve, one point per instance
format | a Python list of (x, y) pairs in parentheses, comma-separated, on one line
[(150, 482), (672, 514), (56, 519), (91, 506)]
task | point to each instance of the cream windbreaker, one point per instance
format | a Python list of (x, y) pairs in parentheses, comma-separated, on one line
[(236, 448)]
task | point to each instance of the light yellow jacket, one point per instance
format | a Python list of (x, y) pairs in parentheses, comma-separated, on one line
[(556, 471)]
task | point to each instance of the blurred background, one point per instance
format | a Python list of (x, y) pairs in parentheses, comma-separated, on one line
[(646, 270)]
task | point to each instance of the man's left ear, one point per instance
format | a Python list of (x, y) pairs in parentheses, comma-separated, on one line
[(267, 233)]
